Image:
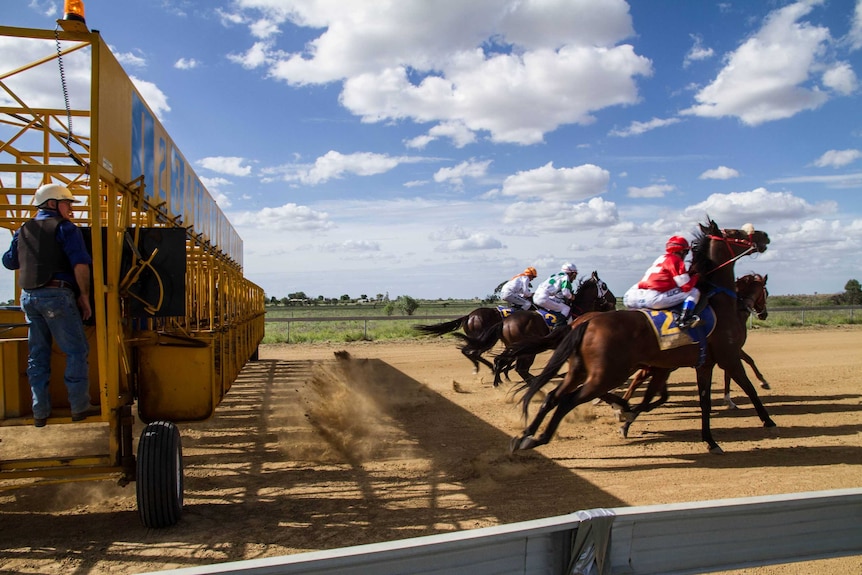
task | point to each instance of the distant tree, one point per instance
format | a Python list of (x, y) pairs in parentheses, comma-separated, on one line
[(274, 300), (853, 292), (363, 296), (491, 297), (379, 297), (285, 301), (389, 308), (345, 297), (297, 295), (407, 304)]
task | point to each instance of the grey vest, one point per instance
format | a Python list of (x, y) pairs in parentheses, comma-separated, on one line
[(39, 253)]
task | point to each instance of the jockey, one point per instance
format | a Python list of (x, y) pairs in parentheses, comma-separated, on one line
[(667, 283), (518, 291), (554, 293)]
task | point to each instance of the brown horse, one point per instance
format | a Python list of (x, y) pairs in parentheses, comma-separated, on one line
[(473, 324), (751, 294), (592, 295), (605, 349)]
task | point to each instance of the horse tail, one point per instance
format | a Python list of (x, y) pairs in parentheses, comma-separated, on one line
[(441, 328), (570, 345), (532, 346), (484, 341)]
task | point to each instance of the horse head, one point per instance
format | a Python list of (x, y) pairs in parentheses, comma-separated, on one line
[(593, 295), (752, 293), (715, 249)]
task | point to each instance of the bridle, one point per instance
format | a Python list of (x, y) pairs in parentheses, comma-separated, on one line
[(749, 245), (601, 292), (756, 306)]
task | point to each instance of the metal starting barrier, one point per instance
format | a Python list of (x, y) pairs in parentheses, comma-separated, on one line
[(174, 318)]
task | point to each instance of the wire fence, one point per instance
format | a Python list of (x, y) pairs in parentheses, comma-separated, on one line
[(290, 329)]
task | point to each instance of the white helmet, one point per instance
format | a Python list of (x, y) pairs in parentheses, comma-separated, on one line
[(569, 268), (52, 192)]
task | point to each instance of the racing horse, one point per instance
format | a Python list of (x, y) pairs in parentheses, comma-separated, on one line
[(592, 294), (751, 294), (473, 324), (604, 349)]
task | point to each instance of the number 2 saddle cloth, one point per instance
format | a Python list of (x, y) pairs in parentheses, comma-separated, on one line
[(550, 318), (668, 333)]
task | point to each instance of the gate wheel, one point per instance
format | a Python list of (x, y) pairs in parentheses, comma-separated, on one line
[(160, 475)]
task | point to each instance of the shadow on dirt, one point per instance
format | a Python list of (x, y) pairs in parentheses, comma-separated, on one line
[(301, 456)]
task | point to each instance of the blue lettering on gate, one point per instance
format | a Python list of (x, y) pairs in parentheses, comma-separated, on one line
[(170, 180), (143, 135)]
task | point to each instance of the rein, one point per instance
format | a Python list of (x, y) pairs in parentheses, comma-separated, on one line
[(749, 248)]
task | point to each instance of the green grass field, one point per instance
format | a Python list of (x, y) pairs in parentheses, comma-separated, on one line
[(356, 323)]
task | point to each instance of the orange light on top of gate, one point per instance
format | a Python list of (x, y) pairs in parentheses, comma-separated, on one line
[(73, 16)]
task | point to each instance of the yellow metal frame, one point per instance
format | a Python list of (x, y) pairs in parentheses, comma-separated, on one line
[(157, 360)]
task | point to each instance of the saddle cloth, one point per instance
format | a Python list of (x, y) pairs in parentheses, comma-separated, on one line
[(668, 333), (550, 319)]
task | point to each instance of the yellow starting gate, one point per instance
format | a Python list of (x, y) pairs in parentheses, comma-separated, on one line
[(174, 318)]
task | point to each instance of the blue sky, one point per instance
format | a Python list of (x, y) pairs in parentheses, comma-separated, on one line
[(436, 148)]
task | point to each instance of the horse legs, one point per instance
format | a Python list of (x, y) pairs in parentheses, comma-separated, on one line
[(472, 359), (564, 405), (704, 383), (501, 367), (475, 358), (523, 365), (572, 392), (737, 372), (657, 383), (527, 439), (639, 378), (727, 400), (747, 358), (763, 383)]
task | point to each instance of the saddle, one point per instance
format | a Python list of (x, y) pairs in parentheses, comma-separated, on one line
[(551, 319), (669, 335)]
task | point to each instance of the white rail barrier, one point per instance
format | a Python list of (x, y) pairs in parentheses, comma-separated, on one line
[(696, 537)]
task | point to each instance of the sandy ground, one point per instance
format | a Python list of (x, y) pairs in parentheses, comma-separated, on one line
[(398, 440)]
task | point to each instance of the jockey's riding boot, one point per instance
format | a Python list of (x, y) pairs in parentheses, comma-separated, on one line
[(561, 321), (687, 319)]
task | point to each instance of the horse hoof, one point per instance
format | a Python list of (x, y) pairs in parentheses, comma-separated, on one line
[(764, 385), (626, 416), (769, 423), (521, 443), (731, 406), (624, 430), (716, 450)]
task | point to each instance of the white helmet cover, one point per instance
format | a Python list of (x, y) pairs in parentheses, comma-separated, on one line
[(569, 268), (52, 192)]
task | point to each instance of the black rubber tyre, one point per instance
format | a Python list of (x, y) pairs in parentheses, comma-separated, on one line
[(160, 475)]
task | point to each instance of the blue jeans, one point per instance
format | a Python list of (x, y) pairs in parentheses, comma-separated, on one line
[(54, 316)]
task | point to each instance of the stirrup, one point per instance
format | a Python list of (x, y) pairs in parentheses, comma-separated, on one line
[(689, 322)]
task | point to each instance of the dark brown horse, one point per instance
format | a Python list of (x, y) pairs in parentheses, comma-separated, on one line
[(604, 350), (592, 294), (751, 294), (473, 324)]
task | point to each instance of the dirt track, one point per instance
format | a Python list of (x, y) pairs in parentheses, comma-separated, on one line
[(400, 440)]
